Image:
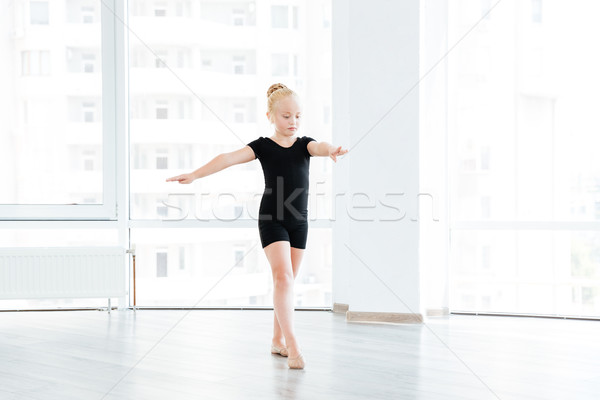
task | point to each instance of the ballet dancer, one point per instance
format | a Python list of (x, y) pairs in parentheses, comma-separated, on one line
[(283, 211)]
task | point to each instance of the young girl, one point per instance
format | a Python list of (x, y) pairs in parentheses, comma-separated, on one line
[(282, 219)]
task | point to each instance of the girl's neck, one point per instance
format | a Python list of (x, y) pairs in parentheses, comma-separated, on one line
[(283, 139)]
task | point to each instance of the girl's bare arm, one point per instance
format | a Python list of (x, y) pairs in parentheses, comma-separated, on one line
[(324, 149), (218, 163)]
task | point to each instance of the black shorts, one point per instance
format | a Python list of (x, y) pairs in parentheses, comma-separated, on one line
[(293, 230)]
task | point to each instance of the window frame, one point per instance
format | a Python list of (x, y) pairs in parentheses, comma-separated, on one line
[(107, 211)]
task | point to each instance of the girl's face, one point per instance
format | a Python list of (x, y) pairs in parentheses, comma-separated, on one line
[(286, 116)]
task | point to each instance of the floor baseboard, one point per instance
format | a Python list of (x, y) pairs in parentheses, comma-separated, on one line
[(387, 317)]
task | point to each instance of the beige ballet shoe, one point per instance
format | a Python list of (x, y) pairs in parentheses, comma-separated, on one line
[(279, 350), (296, 362)]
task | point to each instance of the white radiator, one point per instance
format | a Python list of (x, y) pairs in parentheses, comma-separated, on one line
[(62, 272)]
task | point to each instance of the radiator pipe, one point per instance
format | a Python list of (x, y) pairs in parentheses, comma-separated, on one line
[(132, 252)]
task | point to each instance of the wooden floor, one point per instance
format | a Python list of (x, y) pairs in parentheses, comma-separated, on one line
[(223, 354)]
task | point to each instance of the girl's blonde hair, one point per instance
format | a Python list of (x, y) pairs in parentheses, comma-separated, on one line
[(277, 92)]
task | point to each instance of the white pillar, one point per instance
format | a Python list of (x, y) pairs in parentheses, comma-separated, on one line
[(433, 150), (376, 65)]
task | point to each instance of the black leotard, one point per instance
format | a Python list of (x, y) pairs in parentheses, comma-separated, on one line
[(284, 205)]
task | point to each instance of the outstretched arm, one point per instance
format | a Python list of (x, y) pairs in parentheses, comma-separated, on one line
[(324, 149), (218, 163)]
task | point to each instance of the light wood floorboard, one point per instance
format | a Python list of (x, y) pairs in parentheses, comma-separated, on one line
[(224, 354)]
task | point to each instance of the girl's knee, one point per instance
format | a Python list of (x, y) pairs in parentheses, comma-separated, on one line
[(283, 277)]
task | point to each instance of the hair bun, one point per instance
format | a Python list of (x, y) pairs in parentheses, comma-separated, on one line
[(274, 87)]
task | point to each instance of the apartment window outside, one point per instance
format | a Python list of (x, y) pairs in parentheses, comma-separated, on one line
[(183, 58), (295, 17), (161, 264), (38, 12), (160, 9), (88, 60), (485, 207), (280, 65), (160, 59), (183, 106), (162, 110), (295, 65), (238, 17), (162, 211), (183, 156), (239, 258), (327, 115), (35, 62), (485, 257), (182, 257), (279, 17), (239, 65), (182, 8), (88, 164), (326, 16), (162, 159), (88, 110), (486, 5), (87, 15), (239, 113), (485, 158), (88, 160), (536, 10)]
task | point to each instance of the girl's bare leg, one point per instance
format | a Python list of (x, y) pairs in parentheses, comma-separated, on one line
[(279, 256), (296, 256)]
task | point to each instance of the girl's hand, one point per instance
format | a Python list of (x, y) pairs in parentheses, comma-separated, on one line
[(336, 151), (184, 178)]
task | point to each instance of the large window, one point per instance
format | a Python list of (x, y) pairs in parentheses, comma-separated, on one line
[(524, 173), (73, 145), (198, 83), (56, 135)]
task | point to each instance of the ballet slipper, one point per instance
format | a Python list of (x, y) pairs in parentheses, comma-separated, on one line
[(279, 350), (296, 362)]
